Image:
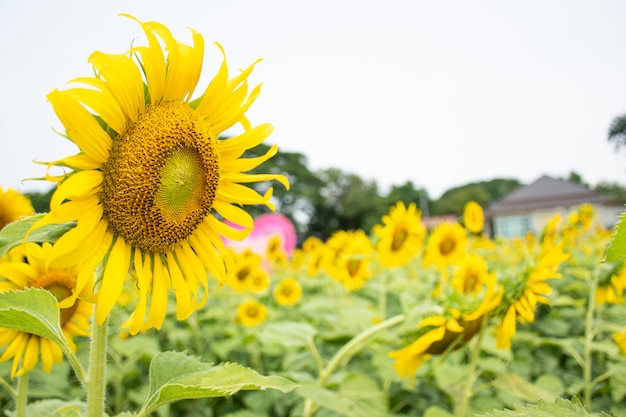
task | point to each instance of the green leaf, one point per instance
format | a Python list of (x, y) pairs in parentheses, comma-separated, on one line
[(16, 233), (558, 408), (616, 250), (32, 310), (53, 408), (287, 334), (358, 396), (176, 376)]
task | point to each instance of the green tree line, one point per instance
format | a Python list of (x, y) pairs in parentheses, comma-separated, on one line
[(322, 201)]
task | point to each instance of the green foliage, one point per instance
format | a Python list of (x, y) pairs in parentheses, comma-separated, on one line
[(53, 408), (41, 201), (560, 407), (32, 310), (617, 132), (18, 232), (176, 376), (616, 250)]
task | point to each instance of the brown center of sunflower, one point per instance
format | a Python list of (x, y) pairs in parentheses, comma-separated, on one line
[(161, 178), (447, 246), (60, 284), (399, 237)]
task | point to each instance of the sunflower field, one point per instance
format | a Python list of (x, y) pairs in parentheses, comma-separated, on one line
[(149, 289), (401, 321)]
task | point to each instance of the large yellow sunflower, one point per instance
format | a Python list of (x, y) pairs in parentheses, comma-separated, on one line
[(153, 186), (401, 235), (348, 258), (32, 266), (532, 290), (13, 205)]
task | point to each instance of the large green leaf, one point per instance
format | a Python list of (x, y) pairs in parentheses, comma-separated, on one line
[(358, 396), (176, 376), (16, 233), (616, 250), (287, 334), (32, 310)]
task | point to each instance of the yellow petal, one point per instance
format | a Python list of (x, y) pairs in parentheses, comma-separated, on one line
[(115, 274)]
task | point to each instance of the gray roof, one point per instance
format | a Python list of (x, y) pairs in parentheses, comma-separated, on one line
[(545, 193)]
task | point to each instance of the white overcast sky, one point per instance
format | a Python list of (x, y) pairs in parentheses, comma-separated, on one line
[(441, 93)]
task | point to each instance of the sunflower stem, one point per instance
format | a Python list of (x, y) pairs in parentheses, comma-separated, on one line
[(348, 350), (97, 368), (471, 377), (21, 399), (589, 335)]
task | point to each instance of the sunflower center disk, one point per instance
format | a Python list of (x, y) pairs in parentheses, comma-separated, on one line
[(60, 284), (161, 178)]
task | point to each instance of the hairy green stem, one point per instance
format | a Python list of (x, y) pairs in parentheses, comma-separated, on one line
[(348, 350), (471, 377), (97, 368), (21, 400)]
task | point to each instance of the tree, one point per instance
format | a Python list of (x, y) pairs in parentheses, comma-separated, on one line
[(617, 132), (484, 193), (407, 193)]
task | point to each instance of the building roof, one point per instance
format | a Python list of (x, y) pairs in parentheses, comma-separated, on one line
[(546, 192)]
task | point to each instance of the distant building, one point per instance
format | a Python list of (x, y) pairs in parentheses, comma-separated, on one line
[(529, 207)]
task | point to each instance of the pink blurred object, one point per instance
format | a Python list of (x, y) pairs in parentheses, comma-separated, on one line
[(265, 227)]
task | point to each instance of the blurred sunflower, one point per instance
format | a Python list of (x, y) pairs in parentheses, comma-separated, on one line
[(550, 232), (450, 331), (401, 236), (247, 265), (288, 292), (349, 257), (446, 245), (473, 217), (522, 297), (611, 285), (153, 186), (313, 249), (620, 339), (470, 275), (13, 205), (251, 313), (32, 266)]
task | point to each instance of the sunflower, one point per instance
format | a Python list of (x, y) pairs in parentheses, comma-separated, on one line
[(13, 205), (288, 292), (526, 295), (611, 286), (348, 258), (247, 265), (153, 188), (620, 339), (473, 217), (470, 275), (450, 331), (313, 249), (32, 266), (401, 235), (446, 245), (251, 313)]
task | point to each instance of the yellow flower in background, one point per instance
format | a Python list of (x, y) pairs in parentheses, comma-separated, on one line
[(620, 339), (401, 235), (611, 286), (13, 206), (534, 288), (470, 275), (259, 281), (153, 187), (313, 249), (251, 313), (246, 266), (349, 258), (473, 217), (288, 292), (34, 267), (446, 245), (450, 331)]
